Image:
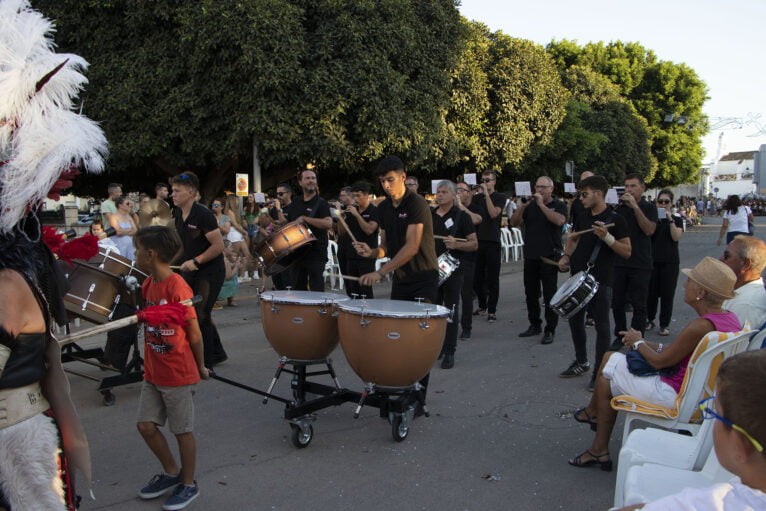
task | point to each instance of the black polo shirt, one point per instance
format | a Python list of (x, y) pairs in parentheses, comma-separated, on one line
[(413, 209), (640, 243), (454, 223), (603, 268), (489, 228), (369, 215), (298, 208), (542, 238), (193, 231), (664, 249)]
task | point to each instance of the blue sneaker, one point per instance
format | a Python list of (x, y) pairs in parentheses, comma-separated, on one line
[(181, 497), (158, 485)]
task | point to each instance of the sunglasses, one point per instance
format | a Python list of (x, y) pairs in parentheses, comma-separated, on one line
[(281, 193), (663, 201), (708, 412), (487, 180), (463, 190), (215, 205)]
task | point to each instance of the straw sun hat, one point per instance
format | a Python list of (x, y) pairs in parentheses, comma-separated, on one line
[(714, 276)]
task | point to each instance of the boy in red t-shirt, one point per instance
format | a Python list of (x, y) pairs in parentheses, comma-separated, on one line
[(173, 364)]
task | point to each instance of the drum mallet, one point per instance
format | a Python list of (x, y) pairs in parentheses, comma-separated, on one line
[(440, 237), (345, 226), (130, 320), (585, 231)]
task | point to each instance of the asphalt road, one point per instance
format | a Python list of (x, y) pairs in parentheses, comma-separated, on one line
[(499, 435)]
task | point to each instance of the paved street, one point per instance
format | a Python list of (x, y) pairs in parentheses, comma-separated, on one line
[(499, 435)]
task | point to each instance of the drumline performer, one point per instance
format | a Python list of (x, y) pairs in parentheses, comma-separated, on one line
[(450, 221), (314, 211), (363, 221), (284, 198), (42, 140), (468, 261), (406, 236), (597, 248), (542, 216)]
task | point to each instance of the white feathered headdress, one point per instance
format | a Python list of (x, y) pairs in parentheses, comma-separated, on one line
[(41, 134)]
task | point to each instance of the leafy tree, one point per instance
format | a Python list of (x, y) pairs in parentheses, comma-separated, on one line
[(192, 85)]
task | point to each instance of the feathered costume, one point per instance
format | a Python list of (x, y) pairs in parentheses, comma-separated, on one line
[(42, 143)]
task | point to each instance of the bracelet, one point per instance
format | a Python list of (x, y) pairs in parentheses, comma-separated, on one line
[(637, 344), (566, 255), (196, 263), (609, 240), (380, 273), (660, 347)]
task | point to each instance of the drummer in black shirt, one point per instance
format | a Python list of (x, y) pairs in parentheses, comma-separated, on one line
[(406, 237), (577, 253), (311, 209), (284, 198), (362, 220), (542, 216), (456, 225), (632, 275), (201, 260)]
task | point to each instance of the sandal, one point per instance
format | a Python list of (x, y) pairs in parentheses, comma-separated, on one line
[(587, 420), (606, 465)]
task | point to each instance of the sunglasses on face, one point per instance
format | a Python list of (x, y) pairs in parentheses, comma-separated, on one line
[(708, 412), (487, 180), (215, 205), (663, 201), (281, 193)]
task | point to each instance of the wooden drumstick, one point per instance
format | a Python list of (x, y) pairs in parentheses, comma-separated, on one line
[(440, 237), (345, 226), (347, 277), (549, 261), (585, 231), (113, 325)]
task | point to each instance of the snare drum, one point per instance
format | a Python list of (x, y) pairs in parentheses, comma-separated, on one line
[(93, 293), (301, 325), (447, 266), (574, 294), (391, 343), (277, 252), (112, 262)]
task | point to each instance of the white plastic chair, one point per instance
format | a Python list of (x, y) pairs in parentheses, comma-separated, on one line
[(756, 342), (517, 243), (698, 384), (331, 266), (506, 242), (665, 448), (649, 482), (379, 263)]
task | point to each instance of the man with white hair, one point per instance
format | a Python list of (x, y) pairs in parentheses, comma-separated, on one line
[(747, 257)]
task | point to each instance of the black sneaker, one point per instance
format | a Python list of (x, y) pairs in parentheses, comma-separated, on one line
[(491, 318), (465, 334), (616, 345), (158, 485), (589, 321), (547, 338), (449, 361), (576, 369), (531, 331)]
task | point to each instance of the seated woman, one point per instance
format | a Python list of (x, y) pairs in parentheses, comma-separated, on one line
[(707, 286)]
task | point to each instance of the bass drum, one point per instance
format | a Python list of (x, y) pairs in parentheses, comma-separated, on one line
[(280, 250), (574, 294), (391, 343), (93, 294), (112, 262), (301, 325)]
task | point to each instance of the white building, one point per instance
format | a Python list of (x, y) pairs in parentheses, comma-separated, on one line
[(731, 175)]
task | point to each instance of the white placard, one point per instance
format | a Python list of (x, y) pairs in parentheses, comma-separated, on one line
[(611, 196), (470, 179), (435, 185), (260, 198), (242, 184), (523, 188), (570, 188)]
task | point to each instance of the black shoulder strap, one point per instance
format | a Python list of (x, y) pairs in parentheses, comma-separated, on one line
[(599, 243)]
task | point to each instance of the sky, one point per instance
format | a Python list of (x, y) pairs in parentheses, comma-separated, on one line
[(723, 41)]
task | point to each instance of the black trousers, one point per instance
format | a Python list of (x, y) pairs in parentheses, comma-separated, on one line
[(662, 289), (466, 294), (449, 296), (308, 274), (356, 267), (630, 285), (537, 274), (280, 281), (207, 283), (599, 309), (487, 276)]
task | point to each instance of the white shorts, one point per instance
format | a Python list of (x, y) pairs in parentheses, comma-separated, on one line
[(235, 236), (646, 388)]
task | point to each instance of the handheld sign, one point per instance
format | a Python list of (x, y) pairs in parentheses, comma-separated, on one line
[(570, 188), (523, 188)]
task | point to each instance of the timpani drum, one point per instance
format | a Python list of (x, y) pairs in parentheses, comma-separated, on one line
[(391, 343), (301, 325), (574, 294), (285, 246)]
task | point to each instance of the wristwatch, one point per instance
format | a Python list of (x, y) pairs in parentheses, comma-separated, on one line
[(636, 344), (196, 263)]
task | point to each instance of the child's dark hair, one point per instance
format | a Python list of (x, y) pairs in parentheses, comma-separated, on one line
[(163, 240), (741, 391)]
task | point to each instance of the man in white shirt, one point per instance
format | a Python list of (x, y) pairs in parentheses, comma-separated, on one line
[(747, 257)]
